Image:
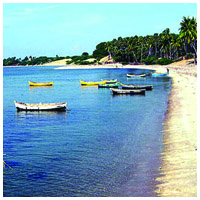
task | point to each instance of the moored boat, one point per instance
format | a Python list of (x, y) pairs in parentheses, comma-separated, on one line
[(136, 87), (115, 85), (159, 74), (40, 106), (92, 83), (40, 84), (135, 75), (110, 81), (121, 91)]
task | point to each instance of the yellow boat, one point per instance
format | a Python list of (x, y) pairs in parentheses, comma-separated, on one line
[(40, 84), (84, 83)]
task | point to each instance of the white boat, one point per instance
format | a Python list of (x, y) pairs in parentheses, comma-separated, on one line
[(40, 106), (122, 91)]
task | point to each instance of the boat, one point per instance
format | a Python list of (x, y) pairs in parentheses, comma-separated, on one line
[(40, 84), (159, 74), (40, 106), (121, 91), (115, 85), (135, 75), (84, 83), (110, 81), (136, 87)]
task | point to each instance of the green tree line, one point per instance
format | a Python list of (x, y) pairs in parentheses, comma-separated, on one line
[(30, 60), (166, 46)]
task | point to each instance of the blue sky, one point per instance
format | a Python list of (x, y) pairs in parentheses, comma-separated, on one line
[(43, 29)]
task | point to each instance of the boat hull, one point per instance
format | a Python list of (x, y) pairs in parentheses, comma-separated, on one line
[(135, 75), (110, 81), (84, 83), (34, 84), (159, 75), (137, 87), (131, 92), (108, 86), (41, 106)]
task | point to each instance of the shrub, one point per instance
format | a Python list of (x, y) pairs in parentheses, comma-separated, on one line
[(164, 61), (190, 55), (84, 62), (69, 62), (125, 63), (149, 61)]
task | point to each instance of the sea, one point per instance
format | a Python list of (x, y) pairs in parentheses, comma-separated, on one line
[(104, 146)]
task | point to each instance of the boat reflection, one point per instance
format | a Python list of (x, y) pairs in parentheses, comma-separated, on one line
[(34, 87), (23, 113)]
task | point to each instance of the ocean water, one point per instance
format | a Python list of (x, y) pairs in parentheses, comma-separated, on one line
[(105, 146)]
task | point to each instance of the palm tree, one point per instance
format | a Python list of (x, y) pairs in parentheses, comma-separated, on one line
[(141, 45), (156, 43), (108, 48), (176, 45), (188, 33), (166, 42), (149, 43)]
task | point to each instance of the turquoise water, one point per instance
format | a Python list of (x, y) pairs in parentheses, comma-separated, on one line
[(104, 146)]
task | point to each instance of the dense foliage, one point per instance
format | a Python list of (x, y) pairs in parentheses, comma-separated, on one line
[(100, 51), (148, 49), (161, 48)]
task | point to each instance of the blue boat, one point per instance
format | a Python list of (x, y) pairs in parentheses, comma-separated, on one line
[(136, 87), (158, 75)]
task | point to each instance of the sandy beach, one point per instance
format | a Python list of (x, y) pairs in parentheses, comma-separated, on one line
[(158, 68), (179, 157)]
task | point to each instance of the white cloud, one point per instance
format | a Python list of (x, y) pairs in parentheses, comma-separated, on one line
[(26, 11), (54, 6)]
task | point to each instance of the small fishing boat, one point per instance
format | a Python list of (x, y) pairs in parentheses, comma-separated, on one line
[(121, 91), (110, 81), (40, 84), (159, 74), (84, 83), (40, 106), (135, 75), (115, 85), (136, 87)]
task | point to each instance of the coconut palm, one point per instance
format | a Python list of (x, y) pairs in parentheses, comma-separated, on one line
[(188, 32), (156, 43), (176, 45), (166, 42)]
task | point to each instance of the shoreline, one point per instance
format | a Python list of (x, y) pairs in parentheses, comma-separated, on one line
[(178, 172), (179, 155), (158, 68)]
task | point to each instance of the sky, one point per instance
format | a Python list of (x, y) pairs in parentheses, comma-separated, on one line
[(67, 29)]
